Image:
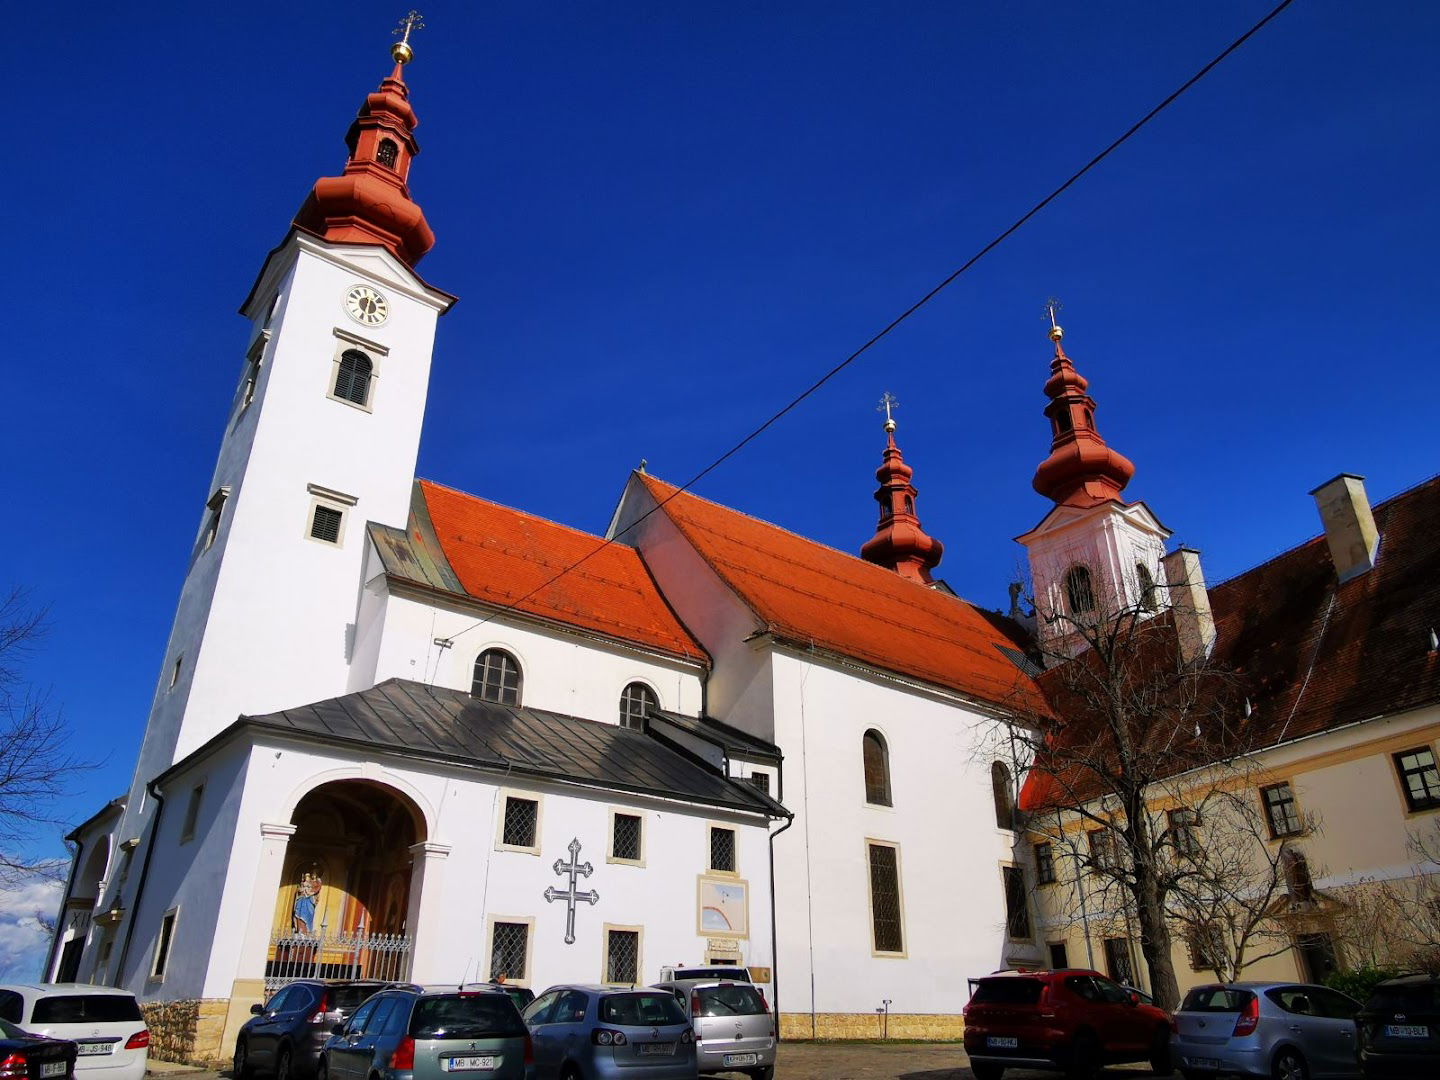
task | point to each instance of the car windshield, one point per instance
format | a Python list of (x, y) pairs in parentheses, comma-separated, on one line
[(466, 1016), (347, 999), (730, 999), (1215, 999), (711, 973), (1008, 991), (1424, 997), (637, 1010), (85, 1009)]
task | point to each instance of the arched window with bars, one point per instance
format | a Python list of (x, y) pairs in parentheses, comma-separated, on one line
[(387, 153), (352, 377), (1004, 799), (1079, 592), (496, 678), (636, 700), (877, 769), (1146, 581)]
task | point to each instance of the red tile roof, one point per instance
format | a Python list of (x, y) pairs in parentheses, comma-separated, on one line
[(1312, 654), (806, 592), (500, 554)]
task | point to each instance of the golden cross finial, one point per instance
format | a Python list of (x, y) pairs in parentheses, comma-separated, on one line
[(1052, 308), (888, 401), (401, 50)]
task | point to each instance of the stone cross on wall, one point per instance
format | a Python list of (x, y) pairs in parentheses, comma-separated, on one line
[(574, 867)]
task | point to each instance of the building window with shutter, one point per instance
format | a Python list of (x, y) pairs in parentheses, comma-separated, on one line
[(329, 510), (510, 949), (627, 838), (496, 677), (622, 955), (352, 378), (519, 824), (636, 701), (722, 849), (887, 934), (877, 769)]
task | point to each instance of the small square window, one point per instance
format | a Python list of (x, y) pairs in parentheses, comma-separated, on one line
[(722, 849), (622, 957), (625, 839), (521, 818), (325, 525), (509, 950), (1419, 778), (760, 780)]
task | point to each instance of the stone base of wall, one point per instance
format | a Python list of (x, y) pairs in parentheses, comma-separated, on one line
[(938, 1027), (187, 1032)]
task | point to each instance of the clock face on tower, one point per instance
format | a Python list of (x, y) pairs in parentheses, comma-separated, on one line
[(366, 306)]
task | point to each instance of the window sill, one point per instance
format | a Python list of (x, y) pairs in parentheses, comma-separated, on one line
[(517, 849)]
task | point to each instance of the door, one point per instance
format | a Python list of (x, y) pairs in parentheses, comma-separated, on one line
[(265, 1033), (537, 1018), (368, 1046), (1337, 1013), (341, 1055), (570, 1032)]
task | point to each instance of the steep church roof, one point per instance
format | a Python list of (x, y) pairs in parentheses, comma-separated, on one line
[(464, 544), (1312, 653), (811, 594)]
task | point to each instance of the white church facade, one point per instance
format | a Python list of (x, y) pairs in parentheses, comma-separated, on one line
[(387, 741)]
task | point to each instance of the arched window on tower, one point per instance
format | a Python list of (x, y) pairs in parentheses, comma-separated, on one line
[(496, 678), (352, 377), (877, 769), (387, 152), (909, 505), (1004, 802), (1078, 590), (636, 700), (1146, 581), (1063, 420)]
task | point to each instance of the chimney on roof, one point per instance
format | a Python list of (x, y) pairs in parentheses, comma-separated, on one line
[(1189, 604), (1349, 525)]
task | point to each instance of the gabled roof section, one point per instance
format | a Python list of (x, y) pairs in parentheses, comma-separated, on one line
[(732, 740), (460, 543), (439, 724), (808, 593)]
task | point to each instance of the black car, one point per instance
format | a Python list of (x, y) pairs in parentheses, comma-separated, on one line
[(284, 1036), (33, 1057), (1400, 1029)]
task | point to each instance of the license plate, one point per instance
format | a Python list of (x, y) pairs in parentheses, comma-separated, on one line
[(1203, 1063), (52, 1068), (470, 1064), (742, 1059), (1407, 1031), (1002, 1042), (657, 1048), (94, 1048)]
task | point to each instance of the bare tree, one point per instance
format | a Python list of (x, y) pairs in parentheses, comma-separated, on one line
[(1132, 720), (36, 765), (1394, 923)]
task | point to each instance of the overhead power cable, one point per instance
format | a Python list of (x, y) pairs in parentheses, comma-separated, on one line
[(894, 323)]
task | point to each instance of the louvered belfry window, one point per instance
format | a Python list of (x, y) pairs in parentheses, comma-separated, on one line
[(352, 378), (326, 524), (885, 899), (877, 769), (386, 153), (636, 700), (496, 678)]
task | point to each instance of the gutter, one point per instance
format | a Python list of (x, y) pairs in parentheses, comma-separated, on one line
[(774, 929), (144, 876)]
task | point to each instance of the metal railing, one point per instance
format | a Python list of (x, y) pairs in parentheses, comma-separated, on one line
[(354, 954)]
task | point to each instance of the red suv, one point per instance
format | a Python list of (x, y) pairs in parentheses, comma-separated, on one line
[(1073, 1020)]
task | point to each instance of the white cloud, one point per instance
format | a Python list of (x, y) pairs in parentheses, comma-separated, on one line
[(23, 941)]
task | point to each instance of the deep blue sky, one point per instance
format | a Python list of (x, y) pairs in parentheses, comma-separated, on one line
[(664, 219)]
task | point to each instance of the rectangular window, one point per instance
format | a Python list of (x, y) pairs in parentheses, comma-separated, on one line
[(192, 814), (1419, 778), (509, 950), (1281, 813), (1207, 948), (626, 837), (722, 849), (622, 957), (175, 671), (521, 819), (325, 525), (1044, 864), (162, 945), (1183, 824), (885, 915), (1117, 961), (327, 514), (1059, 956), (251, 377), (1103, 855), (761, 780), (216, 506), (1017, 911)]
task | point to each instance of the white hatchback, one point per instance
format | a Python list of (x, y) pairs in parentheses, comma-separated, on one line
[(112, 1040)]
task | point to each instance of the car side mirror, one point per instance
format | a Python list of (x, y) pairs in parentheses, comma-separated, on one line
[(256, 1009), (338, 1029)]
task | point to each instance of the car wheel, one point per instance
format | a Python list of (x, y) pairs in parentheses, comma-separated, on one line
[(322, 1070), (984, 1070), (1289, 1065), (1160, 1063), (570, 1072), (283, 1063), (1084, 1057), (242, 1060)]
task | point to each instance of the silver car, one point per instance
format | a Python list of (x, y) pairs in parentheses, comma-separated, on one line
[(1289, 1031), (734, 1030), (605, 1033)]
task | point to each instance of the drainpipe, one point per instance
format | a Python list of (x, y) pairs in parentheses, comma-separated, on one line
[(140, 885), (49, 973), (774, 935)]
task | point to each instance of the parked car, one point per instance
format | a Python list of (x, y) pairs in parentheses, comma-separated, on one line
[(734, 1031), (1289, 1031), (1399, 1028), (604, 1033), (1072, 1020), (285, 1035), (520, 995), (733, 972), (109, 1032), (427, 1034), (34, 1057)]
